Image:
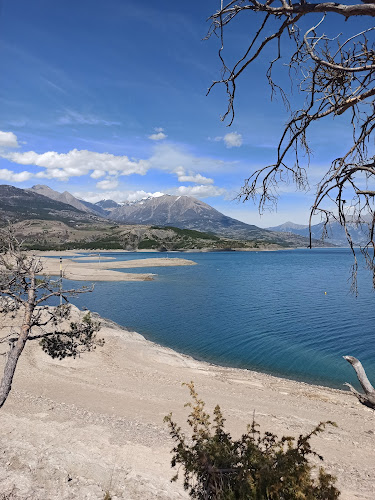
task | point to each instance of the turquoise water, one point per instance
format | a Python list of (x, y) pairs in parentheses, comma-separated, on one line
[(259, 310)]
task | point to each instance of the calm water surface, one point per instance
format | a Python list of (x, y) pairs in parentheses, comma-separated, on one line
[(259, 310)]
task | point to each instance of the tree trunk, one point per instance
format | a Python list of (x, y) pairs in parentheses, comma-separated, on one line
[(16, 350), (368, 398)]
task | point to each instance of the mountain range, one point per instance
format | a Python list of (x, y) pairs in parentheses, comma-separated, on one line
[(183, 212), (191, 213), (335, 232)]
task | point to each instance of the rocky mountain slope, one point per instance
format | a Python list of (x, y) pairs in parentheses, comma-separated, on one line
[(20, 204), (190, 213), (107, 205)]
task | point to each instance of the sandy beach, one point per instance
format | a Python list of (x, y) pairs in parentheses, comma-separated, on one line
[(79, 428), (101, 269)]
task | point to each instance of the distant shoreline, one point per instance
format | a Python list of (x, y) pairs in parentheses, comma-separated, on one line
[(78, 251)]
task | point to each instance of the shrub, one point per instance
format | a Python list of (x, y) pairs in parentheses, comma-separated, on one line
[(256, 466), (80, 338)]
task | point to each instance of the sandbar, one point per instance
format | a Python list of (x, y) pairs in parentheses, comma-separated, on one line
[(97, 270), (79, 428)]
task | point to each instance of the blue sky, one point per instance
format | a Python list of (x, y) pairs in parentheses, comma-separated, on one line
[(108, 100)]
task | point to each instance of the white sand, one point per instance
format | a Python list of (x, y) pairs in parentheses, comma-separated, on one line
[(74, 429)]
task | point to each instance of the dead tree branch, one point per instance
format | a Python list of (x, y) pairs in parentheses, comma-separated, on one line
[(368, 398)]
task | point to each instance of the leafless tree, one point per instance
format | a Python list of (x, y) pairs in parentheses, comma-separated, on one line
[(25, 315), (336, 75)]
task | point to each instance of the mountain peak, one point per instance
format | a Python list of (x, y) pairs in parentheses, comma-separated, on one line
[(186, 212), (65, 197)]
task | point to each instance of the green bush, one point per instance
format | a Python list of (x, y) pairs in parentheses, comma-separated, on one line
[(256, 466), (80, 338)]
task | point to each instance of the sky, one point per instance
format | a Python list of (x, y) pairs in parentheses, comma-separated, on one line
[(107, 100)]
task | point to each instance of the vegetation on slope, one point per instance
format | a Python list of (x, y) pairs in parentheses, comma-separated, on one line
[(57, 235)]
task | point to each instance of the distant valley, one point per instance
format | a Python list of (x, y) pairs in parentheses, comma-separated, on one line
[(48, 219)]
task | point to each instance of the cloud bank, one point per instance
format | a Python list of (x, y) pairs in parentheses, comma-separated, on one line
[(76, 163), (106, 169)]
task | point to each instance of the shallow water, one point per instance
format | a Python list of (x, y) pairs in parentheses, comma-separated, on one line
[(266, 311)]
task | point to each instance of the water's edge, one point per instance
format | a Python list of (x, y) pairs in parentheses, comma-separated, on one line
[(109, 323)]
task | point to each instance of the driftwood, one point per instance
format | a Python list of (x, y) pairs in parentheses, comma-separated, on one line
[(368, 398)]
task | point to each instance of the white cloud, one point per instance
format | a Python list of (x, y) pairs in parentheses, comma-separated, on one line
[(76, 163), (196, 178), (233, 140), (96, 174), (140, 195), (202, 191), (73, 117), (107, 184), (8, 140), (159, 129), (94, 196), (53, 173), (158, 136), (8, 175)]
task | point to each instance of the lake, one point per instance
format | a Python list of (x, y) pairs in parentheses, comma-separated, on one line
[(266, 311)]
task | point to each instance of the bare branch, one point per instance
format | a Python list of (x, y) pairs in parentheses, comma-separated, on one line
[(369, 193), (368, 398), (286, 8)]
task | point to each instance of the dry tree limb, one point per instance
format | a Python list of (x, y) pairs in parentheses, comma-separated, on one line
[(368, 398)]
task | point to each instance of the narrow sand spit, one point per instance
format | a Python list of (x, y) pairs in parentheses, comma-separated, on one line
[(96, 270), (78, 428)]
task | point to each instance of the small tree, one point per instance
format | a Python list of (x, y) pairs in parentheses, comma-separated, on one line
[(256, 466), (23, 297)]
